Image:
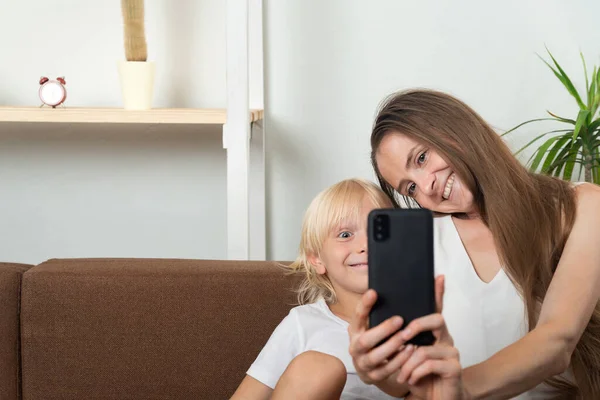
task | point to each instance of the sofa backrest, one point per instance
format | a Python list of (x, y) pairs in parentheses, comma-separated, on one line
[(146, 328), (10, 286)]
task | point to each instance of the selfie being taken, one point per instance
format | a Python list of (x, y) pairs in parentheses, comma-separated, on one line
[(300, 200)]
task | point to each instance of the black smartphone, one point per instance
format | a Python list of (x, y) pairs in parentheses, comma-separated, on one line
[(401, 268)]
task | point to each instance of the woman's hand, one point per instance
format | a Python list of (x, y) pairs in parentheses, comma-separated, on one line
[(431, 372), (376, 364)]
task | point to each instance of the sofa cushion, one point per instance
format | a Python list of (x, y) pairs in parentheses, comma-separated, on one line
[(10, 286), (146, 328)]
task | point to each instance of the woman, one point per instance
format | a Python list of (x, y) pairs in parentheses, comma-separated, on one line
[(531, 312)]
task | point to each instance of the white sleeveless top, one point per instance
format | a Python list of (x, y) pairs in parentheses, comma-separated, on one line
[(482, 318)]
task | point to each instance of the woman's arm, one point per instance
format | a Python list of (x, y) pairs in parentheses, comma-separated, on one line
[(252, 389), (566, 311)]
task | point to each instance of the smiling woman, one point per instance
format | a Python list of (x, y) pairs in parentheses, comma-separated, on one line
[(424, 175), (541, 232)]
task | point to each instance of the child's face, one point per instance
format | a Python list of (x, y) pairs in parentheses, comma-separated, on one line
[(344, 254)]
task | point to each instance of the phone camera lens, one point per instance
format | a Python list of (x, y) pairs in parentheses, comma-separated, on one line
[(381, 228)]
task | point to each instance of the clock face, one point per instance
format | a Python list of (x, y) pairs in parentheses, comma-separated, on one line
[(52, 93)]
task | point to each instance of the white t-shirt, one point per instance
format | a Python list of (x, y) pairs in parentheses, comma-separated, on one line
[(311, 327)]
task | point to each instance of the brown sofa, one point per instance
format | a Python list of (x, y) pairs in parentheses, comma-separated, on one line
[(135, 328)]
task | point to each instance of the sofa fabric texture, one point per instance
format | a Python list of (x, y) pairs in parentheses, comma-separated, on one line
[(145, 328)]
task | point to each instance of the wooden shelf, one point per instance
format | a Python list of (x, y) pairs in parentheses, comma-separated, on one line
[(119, 115)]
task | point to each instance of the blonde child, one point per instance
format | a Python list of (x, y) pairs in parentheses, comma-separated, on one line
[(307, 355)]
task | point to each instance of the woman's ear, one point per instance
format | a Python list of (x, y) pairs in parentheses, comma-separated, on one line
[(319, 265)]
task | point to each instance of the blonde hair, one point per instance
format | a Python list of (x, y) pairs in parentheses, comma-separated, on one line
[(328, 210)]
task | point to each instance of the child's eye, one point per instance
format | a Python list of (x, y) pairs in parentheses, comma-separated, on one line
[(345, 235), (422, 158)]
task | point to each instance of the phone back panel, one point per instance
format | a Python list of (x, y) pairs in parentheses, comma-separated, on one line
[(401, 266)]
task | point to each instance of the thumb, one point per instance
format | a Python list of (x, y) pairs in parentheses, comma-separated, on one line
[(360, 319)]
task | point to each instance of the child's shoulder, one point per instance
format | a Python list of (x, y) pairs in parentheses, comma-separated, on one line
[(316, 313), (316, 308)]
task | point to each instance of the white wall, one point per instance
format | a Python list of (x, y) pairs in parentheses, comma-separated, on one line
[(79, 191), (100, 191), (329, 63)]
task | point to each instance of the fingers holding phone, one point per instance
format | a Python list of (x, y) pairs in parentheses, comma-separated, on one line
[(375, 363), (433, 372), (433, 323)]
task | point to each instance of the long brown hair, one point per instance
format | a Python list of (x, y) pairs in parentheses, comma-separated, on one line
[(530, 215)]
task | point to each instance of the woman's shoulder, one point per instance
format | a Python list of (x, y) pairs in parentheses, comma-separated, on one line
[(588, 200), (586, 186), (587, 192)]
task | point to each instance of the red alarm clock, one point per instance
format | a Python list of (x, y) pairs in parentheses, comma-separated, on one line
[(52, 92)]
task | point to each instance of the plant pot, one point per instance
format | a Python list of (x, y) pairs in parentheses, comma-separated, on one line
[(137, 84)]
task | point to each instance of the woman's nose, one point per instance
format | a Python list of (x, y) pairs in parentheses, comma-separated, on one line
[(427, 183)]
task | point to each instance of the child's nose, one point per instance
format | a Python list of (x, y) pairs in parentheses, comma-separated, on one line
[(362, 243)]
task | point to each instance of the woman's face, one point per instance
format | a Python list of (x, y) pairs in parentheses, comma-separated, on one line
[(421, 173)]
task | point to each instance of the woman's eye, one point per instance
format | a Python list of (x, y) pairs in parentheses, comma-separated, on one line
[(345, 235), (411, 189), (422, 158)]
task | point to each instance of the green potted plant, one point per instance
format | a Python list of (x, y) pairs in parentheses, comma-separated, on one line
[(577, 141), (136, 73)]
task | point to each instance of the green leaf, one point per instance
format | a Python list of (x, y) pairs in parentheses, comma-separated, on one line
[(542, 151), (569, 152), (570, 164), (581, 119), (552, 154), (564, 78), (597, 95), (528, 122), (591, 91), (559, 161), (558, 171), (541, 136), (559, 168), (587, 83), (561, 119), (594, 125)]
